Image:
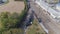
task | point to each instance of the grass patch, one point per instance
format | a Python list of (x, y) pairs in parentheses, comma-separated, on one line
[(35, 28), (14, 31)]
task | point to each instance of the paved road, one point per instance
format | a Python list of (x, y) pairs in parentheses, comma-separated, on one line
[(48, 21)]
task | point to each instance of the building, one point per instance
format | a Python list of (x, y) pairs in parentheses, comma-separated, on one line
[(50, 16), (58, 6), (53, 9)]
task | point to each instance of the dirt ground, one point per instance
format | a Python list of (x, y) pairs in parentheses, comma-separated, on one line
[(12, 6)]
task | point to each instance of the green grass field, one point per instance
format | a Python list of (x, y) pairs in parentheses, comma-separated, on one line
[(35, 28)]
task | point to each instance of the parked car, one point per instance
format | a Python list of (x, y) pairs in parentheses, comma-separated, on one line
[(40, 20)]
